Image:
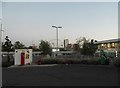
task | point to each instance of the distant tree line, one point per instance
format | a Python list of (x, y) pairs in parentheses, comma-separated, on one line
[(44, 46), (82, 45), (85, 46)]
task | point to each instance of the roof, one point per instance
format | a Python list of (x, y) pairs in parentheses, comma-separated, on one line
[(108, 41)]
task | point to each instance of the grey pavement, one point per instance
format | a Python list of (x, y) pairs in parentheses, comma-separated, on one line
[(61, 75)]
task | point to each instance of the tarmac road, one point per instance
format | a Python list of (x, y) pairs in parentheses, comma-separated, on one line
[(61, 75)]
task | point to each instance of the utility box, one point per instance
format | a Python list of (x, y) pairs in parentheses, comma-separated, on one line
[(23, 56)]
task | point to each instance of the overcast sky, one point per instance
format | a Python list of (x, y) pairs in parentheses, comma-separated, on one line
[(30, 22)]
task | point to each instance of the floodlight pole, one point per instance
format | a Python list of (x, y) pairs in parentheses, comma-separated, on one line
[(56, 36), (1, 30)]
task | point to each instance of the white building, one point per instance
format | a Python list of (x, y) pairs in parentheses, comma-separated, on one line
[(66, 42), (23, 56)]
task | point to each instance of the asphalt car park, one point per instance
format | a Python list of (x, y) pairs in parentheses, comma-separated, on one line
[(61, 75)]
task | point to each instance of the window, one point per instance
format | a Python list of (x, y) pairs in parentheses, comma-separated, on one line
[(113, 45), (116, 45), (102, 45), (109, 46)]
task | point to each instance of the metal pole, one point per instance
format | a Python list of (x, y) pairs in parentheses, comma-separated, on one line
[(57, 36), (1, 33)]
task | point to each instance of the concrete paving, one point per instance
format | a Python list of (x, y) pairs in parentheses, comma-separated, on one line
[(61, 75), (34, 65)]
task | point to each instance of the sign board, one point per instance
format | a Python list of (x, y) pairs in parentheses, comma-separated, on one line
[(23, 56)]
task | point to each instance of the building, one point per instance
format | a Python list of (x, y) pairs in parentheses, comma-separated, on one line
[(34, 46), (109, 45), (70, 47), (66, 42)]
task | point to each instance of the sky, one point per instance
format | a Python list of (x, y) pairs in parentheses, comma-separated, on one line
[(30, 22)]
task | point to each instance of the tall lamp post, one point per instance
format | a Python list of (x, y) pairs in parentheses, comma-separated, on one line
[(56, 35), (1, 30)]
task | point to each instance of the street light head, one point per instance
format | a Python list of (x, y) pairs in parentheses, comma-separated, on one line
[(59, 27), (54, 26)]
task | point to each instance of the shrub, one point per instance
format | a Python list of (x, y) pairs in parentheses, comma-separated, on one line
[(117, 63), (95, 62), (61, 61), (84, 62), (49, 61), (70, 61), (7, 64), (76, 61), (107, 62)]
